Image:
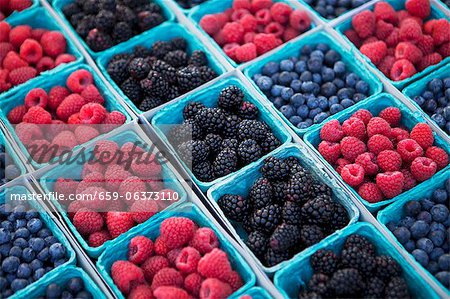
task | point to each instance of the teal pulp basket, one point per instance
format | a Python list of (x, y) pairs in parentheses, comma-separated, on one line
[(254, 293)]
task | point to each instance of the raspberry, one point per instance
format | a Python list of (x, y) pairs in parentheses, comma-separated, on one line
[(398, 134), (16, 114), (353, 37), (438, 155), (363, 115), (275, 29), (393, 39), (126, 275), (233, 32), (193, 283), (409, 149), (392, 115), (65, 186), (235, 281), (408, 51), (353, 174), (215, 264), (384, 11), (354, 127), (242, 4), (27, 133), (364, 24), (37, 33), (56, 95), (214, 288), (377, 125), (330, 151), (79, 80), (281, 12), (390, 183), (118, 223), (426, 44), (187, 260), (246, 52), (410, 181), (142, 210), (97, 239), (19, 5), (210, 23), (423, 135), (91, 167), (204, 240), (352, 147), (22, 75), (167, 277), (152, 266), (378, 143), (375, 51), (5, 29), (146, 166), (87, 221), (84, 134), (430, 59), (368, 162), (248, 22), (230, 50), (389, 160), (169, 292), (423, 168), (288, 34), (258, 5), (444, 50), (370, 40), (64, 58), (92, 95), (410, 30), (383, 29), (239, 14), (5, 48), (113, 120), (37, 115), (53, 43), (19, 34), (299, 20), (332, 131), (31, 51), (265, 42), (177, 231), (106, 146), (139, 249), (69, 106), (92, 113), (45, 64), (115, 175), (94, 179), (370, 192), (418, 8), (132, 185), (402, 69), (36, 97), (142, 291)]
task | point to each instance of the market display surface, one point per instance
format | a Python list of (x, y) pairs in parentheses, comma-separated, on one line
[(212, 149)]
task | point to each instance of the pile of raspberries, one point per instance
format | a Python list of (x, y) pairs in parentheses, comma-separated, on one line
[(218, 141), (99, 220), (378, 156), (43, 119), (26, 52), (150, 77), (356, 272), (251, 28), (7, 7), (105, 23), (184, 262), (401, 43), (286, 210)]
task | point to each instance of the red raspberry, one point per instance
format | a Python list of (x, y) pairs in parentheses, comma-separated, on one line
[(423, 134), (142, 210), (409, 149), (177, 231), (426, 44), (330, 151), (132, 185), (233, 32), (92, 167), (370, 192), (31, 51), (64, 58), (169, 292), (27, 133), (364, 24), (172, 256), (13, 61), (352, 147), (139, 249), (19, 34), (402, 69), (152, 266), (377, 125), (94, 179), (390, 183), (115, 175), (428, 26), (370, 40), (289, 33), (146, 166), (423, 168), (274, 28), (87, 221), (353, 174), (384, 11), (418, 8), (444, 50), (242, 4), (56, 95), (167, 277), (210, 23), (69, 106), (15, 116), (37, 33), (263, 17), (258, 5), (239, 14), (5, 29), (430, 59), (65, 186), (213, 288), (246, 52), (215, 264), (5, 48), (386, 64), (368, 162), (193, 283), (378, 143), (389, 160), (340, 163), (45, 64), (53, 43), (410, 30), (22, 75), (248, 22), (79, 80), (187, 260), (92, 95), (383, 29), (97, 239), (438, 155), (92, 113), (354, 127), (126, 275), (161, 247), (265, 42), (399, 134), (393, 39), (36, 97), (84, 134), (230, 50), (37, 115), (281, 12), (299, 20), (332, 131), (204, 240), (410, 181), (235, 281), (142, 291), (19, 5), (408, 51), (353, 37), (118, 223), (363, 115), (108, 146), (392, 115)]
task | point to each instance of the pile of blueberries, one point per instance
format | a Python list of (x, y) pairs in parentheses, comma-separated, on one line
[(435, 101), (186, 4), (425, 232), (331, 9), (8, 170), (74, 288), (28, 249), (309, 88)]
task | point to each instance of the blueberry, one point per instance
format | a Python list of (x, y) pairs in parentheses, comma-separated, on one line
[(320, 117), (444, 262), (7, 225), (426, 204), (21, 242), (351, 79), (446, 113), (300, 67), (285, 78), (323, 103), (36, 264), (439, 213), (32, 213), (428, 95), (3, 283), (278, 102), (286, 65), (425, 244), (327, 74), (22, 232), (402, 234), (75, 285), (19, 212), (435, 85), (44, 254), (18, 284), (419, 100), (5, 236), (297, 100), (264, 83), (430, 106), (333, 100), (331, 57), (295, 120), (421, 257), (53, 291), (84, 295), (419, 229), (347, 103), (362, 87), (11, 276), (20, 223), (437, 237), (436, 253), (38, 273), (5, 248), (335, 108), (345, 93), (16, 251), (436, 226), (425, 216), (24, 271), (339, 68), (287, 111), (271, 68), (287, 93), (296, 85), (412, 208), (447, 94), (444, 278), (306, 76), (50, 240), (433, 267), (28, 255), (276, 90), (439, 120), (7, 293), (322, 47), (410, 245), (317, 78), (312, 103), (314, 112), (57, 251), (66, 295), (442, 101), (328, 89), (446, 82), (59, 262), (407, 222), (303, 125), (10, 264), (303, 111), (37, 244), (439, 196), (315, 63), (275, 78)]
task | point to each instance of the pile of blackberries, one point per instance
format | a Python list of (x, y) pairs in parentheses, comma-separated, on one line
[(8, 170), (285, 211)]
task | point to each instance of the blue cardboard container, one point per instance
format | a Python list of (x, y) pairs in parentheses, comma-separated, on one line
[(40, 18), (163, 32), (293, 49), (151, 230), (395, 212), (12, 154), (254, 293), (59, 78), (375, 105), (34, 3), (240, 184), (58, 5), (50, 224), (218, 6), (397, 5), (292, 279), (74, 171), (173, 114)]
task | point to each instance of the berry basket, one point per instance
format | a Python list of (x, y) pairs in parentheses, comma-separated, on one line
[(40, 18), (34, 3), (58, 78), (397, 5), (10, 151), (151, 230), (375, 104), (395, 212), (240, 184), (74, 171), (291, 279), (163, 32), (172, 114), (254, 293), (292, 49), (58, 5)]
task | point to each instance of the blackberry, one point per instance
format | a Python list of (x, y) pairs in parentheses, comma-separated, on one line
[(324, 261), (318, 210), (235, 207), (177, 58), (161, 48), (126, 15), (361, 243), (273, 258), (84, 27), (125, 56), (252, 129), (346, 282), (108, 5), (284, 237), (291, 213), (173, 93), (247, 225), (132, 89), (189, 78), (149, 103), (166, 70), (122, 32), (203, 171), (148, 20), (360, 260), (339, 219), (138, 68), (105, 20), (309, 295), (230, 126), (319, 189), (211, 120), (191, 109), (179, 43), (257, 243), (198, 58), (374, 288), (310, 235), (71, 9), (397, 289), (248, 110), (188, 130), (299, 187), (90, 7), (266, 219), (214, 142), (206, 73), (193, 151), (294, 164), (230, 143), (118, 70), (386, 267), (260, 194), (225, 163), (155, 85), (274, 169), (319, 284), (142, 52), (279, 191), (269, 143), (98, 41), (230, 97), (249, 151)]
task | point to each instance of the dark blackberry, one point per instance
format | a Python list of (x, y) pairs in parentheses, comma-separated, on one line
[(83, 26), (230, 143), (299, 187), (249, 151), (138, 68), (267, 218), (360, 242), (71, 9), (309, 295), (189, 78), (177, 58), (148, 20), (211, 120), (284, 237), (247, 225), (274, 169), (122, 32), (105, 20), (230, 97), (125, 14), (214, 142), (151, 7), (123, 56), (161, 48), (91, 7), (142, 52), (188, 130), (294, 164), (374, 288), (273, 258), (98, 41), (225, 163), (133, 4), (207, 73), (155, 85), (193, 151), (191, 109), (311, 234), (291, 213), (248, 110), (198, 58), (231, 125), (362, 261), (252, 129), (108, 5), (179, 43), (260, 194), (166, 70), (386, 267), (173, 93), (396, 289), (346, 282), (318, 210), (203, 171), (319, 189), (339, 219), (319, 284), (279, 191), (324, 261), (269, 143), (132, 89), (257, 243), (149, 103), (235, 207), (118, 70)]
